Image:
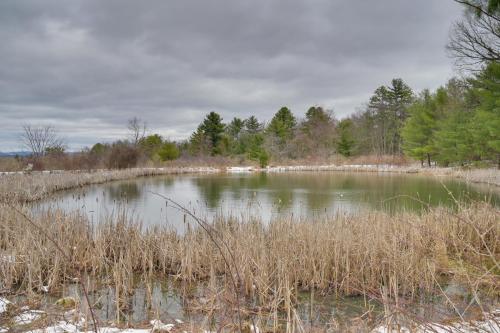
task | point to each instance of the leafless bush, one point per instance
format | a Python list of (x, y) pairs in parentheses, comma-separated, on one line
[(122, 155), (39, 139)]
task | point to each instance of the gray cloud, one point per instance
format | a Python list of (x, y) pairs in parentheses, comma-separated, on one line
[(87, 66)]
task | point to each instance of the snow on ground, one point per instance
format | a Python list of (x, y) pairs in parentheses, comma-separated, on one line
[(80, 327), (28, 317), (487, 326), (159, 326), (3, 304), (239, 169), (63, 327)]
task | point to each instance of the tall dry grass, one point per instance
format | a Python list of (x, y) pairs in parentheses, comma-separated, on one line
[(486, 176), (394, 258), (27, 187)]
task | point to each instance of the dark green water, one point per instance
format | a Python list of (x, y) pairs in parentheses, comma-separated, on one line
[(266, 195)]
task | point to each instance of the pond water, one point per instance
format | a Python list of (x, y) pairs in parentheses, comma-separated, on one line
[(170, 300), (264, 195)]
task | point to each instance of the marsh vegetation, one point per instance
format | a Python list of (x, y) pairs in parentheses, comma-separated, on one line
[(283, 273)]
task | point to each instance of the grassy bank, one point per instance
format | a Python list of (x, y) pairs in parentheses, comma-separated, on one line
[(26, 187), (394, 259)]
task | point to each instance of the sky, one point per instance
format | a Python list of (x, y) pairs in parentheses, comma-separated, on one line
[(87, 66)]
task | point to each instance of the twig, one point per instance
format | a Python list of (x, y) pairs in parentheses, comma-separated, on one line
[(211, 232)]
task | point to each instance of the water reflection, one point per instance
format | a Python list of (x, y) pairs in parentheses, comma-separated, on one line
[(210, 190), (129, 190), (265, 195), (170, 301)]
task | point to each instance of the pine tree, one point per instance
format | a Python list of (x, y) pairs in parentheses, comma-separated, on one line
[(199, 143), (485, 126), (345, 144), (454, 140), (282, 124), (387, 110), (213, 128), (235, 127), (252, 125), (418, 131)]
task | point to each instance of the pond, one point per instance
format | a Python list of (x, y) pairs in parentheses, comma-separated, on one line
[(265, 195)]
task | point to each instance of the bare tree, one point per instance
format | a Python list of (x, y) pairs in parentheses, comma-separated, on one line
[(476, 39), (40, 139), (490, 8), (137, 129)]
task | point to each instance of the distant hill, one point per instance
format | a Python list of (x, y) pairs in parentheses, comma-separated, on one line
[(14, 153)]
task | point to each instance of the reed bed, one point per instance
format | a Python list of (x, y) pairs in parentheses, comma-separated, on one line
[(32, 186), (394, 258), (486, 176)]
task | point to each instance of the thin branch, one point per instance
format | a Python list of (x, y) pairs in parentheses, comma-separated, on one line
[(212, 233), (478, 8)]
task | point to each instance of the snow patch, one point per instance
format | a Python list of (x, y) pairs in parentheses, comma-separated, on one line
[(10, 259), (3, 304), (159, 326), (28, 317), (240, 169)]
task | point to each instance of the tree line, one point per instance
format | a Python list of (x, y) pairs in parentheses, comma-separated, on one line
[(457, 124)]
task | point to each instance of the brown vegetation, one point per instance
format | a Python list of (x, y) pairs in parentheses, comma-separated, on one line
[(26, 187), (395, 258)]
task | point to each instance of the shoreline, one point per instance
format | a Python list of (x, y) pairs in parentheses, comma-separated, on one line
[(23, 186)]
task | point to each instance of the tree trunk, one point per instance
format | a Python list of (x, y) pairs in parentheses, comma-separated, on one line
[(429, 160)]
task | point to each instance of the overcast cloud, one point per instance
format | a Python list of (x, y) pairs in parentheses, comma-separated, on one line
[(87, 66)]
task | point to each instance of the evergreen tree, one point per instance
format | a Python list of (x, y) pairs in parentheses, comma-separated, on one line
[(199, 143), (401, 97), (234, 134), (252, 125), (485, 126), (345, 144), (213, 128), (454, 140), (255, 149), (282, 124), (387, 111), (235, 127), (418, 131), (378, 120), (317, 114)]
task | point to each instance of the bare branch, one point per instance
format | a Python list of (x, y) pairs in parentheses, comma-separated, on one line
[(137, 129), (39, 139), (478, 8), (475, 41)]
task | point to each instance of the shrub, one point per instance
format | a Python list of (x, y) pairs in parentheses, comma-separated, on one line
[(168, 151), (122, 155), (263, 159)]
